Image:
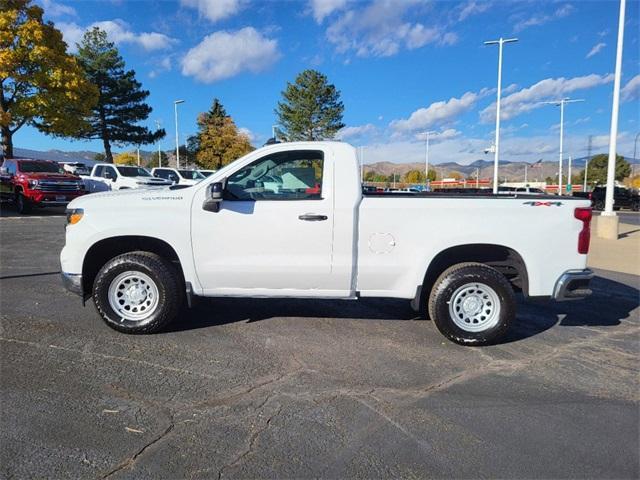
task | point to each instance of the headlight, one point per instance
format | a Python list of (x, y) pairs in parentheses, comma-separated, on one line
[(33, 183), (74, 215)]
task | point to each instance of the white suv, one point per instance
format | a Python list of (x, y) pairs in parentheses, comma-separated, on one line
[(182, 177)]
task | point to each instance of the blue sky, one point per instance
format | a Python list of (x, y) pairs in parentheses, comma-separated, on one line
[(402, 66)]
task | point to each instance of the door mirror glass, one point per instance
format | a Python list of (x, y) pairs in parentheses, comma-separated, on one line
[(214, 197)]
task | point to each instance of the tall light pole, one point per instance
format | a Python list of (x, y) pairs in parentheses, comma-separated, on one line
[(426, 157), (561, 103), (159, 155), (635, 146), (500, 42), (175, 110)]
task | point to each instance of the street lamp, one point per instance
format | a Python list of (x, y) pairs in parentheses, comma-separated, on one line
[(635, 146), (175, 110), (561, 103), (611, 166), (426, 159), (500, 42)]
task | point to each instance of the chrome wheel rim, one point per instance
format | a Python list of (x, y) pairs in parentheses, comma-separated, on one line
[(133, 296), (475, 307)]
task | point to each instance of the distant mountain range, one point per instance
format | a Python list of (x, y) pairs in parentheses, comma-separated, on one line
[(512, 171)]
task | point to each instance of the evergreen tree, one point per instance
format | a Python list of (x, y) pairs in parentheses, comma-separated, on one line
[(597, 169), (310, 110), (121, 104)]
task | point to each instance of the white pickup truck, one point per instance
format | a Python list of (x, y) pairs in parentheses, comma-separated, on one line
[(107, 176), (291, 220)]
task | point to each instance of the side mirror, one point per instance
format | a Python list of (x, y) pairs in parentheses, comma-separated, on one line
[(214, 197)]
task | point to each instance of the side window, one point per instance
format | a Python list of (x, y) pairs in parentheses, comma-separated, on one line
[(110, 172), (12, 168), (295, 175), (160, 173), (99, 171)]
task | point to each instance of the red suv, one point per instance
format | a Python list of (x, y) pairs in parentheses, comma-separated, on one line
[(38, 183)]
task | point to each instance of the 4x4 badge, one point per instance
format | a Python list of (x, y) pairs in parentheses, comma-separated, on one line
[(542, 204)]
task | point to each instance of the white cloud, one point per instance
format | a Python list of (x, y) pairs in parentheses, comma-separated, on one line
[(355, 131), (473, 7), (596, 49), (215, 10), (252, 136), (323, 8), (537, 20), (119, 32), (224, 54), (379, 29), (549, 89), (438, 113), (631, 91), (55, 9)]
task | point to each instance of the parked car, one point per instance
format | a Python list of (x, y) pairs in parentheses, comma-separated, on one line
[(76, 168), (107, 176), (622, 198), (459, 258), (206, 173), (37, 183), (178, 176)]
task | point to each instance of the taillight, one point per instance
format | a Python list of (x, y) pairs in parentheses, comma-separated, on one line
[(584, 215)]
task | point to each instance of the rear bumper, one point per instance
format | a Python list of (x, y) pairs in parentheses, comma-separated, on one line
[(573, 285), (73, 283)]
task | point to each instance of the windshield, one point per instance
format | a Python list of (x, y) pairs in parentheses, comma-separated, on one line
[(39, 167), (191, 174), (133, 172)]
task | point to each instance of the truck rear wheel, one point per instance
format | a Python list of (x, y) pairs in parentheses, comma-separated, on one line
[(138, 292), (23, 204), (472, 304)]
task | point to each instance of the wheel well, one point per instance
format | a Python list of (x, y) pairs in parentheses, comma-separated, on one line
[(506, 260), (104, 250)]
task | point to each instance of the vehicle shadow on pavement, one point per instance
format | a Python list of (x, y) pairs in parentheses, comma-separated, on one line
[(610, 303), (8, 210)]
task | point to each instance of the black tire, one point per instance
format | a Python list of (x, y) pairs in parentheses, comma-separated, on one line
[(462, 278), (598, 205), (635, 206), (167, 283), (23, 205)]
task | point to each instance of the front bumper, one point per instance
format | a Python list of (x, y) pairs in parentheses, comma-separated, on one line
[(573, 285), (73, 283)]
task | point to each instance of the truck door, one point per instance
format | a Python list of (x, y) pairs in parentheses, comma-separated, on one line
[(273, 233)]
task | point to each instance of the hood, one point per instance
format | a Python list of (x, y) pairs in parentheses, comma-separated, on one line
[(48, 176), (127, 199), (153, 180)]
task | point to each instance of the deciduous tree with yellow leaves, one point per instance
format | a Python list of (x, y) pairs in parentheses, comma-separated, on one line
[(40, 83)]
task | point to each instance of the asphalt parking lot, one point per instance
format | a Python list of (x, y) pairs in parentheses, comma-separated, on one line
[(297, 389)]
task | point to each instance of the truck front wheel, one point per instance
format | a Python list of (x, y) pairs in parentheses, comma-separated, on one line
[(472, 304), (23, 205), (138, 292)]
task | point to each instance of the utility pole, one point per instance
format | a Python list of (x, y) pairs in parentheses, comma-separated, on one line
[(175, 109), (138, 153), (561, 103), (569, 186), (526, 165), (426, 158), (500, 42), (477, 177), (586, 165)]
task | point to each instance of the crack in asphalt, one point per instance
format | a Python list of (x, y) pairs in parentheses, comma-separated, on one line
[(130, 461), (250, 448)]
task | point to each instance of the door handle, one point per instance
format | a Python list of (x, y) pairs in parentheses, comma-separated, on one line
[(310, 217)]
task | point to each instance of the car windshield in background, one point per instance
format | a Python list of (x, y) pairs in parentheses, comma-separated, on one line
[(133, 172), (191, 174), (39, 167)]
